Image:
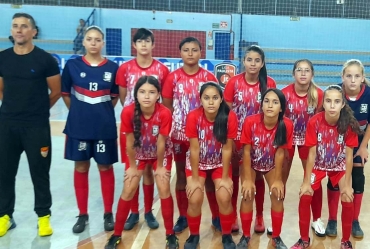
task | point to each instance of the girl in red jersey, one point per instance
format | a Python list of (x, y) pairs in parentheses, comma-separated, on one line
[(304, 99), (265, 137), (357, 91), (147, 125), (90, 93), (211, 130), (243, 95), (331, 137)]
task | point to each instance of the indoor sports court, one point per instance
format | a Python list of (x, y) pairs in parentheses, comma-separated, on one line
[(327, 32)]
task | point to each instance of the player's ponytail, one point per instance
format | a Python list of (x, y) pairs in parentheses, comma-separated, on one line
[(346, 116), (137, 114), (262, 75), (280, 136), (221, 120)]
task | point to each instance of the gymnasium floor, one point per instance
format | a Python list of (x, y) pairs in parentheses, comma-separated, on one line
[(64, 210)]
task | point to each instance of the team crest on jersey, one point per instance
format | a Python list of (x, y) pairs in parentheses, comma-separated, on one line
[(82, 74), (310, 110), (363, 108), (44, 151), (340, 139), (155, 130), (224, 71), (82, 146), (107, 76), (259, 96)]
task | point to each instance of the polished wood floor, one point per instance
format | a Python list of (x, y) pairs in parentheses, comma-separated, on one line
[(142, 237)]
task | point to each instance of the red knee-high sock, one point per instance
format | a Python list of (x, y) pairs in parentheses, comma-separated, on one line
[(246, 219), (316, 204), (135, 202), (194, 224), (260, 196), (304, 216), (226, 221), (277, 222), (211, 196), (148, 197), (347, 215), (107, 188), (234, 197), (357, 201), (182, 202), (123, 210), (167, 213), (333, 202), (81, 183)]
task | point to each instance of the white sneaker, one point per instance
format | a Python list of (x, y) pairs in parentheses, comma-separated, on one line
[(318, 227), (269, 231)]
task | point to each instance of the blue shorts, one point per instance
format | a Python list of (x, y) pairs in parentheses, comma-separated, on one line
[(103, 151)]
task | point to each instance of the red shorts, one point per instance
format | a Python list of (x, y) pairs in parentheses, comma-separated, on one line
[(213, 173), (302, 151), (318, 175), (179, 150), (167, 163)]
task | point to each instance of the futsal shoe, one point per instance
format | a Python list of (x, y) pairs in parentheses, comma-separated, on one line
[(356, 230), (278, 243), (331, 228), (132, 220), (192, 242), (269, 231), (44, 226), (81, 223), (172, 242), (243, 243), (259, 225), (6, 224), (112, 242), (108, 222), (151, 221), (346, 245), (235, 226), (181, 224), (216, 223), (318, 227), (227, 241), (301, 244)]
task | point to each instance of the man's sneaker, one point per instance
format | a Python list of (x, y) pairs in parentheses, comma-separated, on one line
[(227, 241), (172, 242), (356, 230), (108, 222), (151, 221), (331, 228), (132, 220), (259, 225), (318, 227), (269, 231), (243, 243), (235, 226), (301, 244), (192, 242), (81, 223), (346, 245), (216, 223), (6, 224), (112, 242), (181, 224), (44, 226), (278, 243)]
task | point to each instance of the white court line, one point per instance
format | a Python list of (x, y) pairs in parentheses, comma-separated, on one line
[(144, 230)]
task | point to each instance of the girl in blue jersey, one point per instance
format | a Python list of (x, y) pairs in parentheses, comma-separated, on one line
[(357, 91), (90, 93)]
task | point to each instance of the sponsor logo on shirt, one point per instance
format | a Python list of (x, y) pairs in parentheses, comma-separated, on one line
[(363, 108), (82, 146), (107, 76), (82, 74)]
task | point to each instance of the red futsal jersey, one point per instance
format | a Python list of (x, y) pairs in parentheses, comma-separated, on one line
[(262, 141), (184, 90), (197, 126), (330, 145), (159, 123), (129, 73), (245, 98)]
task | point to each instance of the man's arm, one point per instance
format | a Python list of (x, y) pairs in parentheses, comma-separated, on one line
[(54, 84)]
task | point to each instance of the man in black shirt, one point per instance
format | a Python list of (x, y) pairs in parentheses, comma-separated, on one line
[(29, 86)]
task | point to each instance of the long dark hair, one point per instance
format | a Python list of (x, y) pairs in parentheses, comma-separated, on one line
[(262, 75), (280, 136), (137, 114), (346, 116), (222, 117)]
